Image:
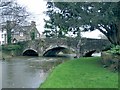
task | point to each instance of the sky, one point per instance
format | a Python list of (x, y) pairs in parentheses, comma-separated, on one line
[(37, 7)]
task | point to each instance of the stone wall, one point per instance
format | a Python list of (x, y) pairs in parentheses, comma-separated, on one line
[(87, 43)]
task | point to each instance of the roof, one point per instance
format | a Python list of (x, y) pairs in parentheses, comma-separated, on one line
[(25, 29), (21, 28)]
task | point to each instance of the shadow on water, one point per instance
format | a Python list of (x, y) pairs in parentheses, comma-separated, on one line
[(0, 75), (62, 56)]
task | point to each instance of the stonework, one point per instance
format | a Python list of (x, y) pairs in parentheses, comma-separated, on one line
[(42, 46)]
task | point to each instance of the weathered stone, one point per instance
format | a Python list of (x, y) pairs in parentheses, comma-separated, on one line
[(44, 45)]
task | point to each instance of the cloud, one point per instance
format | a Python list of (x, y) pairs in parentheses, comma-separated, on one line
[(36, 8)]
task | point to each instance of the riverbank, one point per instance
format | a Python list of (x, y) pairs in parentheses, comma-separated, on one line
[(81, 73), (4, 55)]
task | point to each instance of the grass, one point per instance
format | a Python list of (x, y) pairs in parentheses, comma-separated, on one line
[(81, 73), (4, 55)]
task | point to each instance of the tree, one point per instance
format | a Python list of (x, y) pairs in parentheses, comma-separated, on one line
[(8, 28), (104, 16), (65, 23), (12, 14), (53, 29), (32, 34), (12, 11)]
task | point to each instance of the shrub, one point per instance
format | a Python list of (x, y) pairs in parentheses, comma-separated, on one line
[(115, 50), (11, 47)]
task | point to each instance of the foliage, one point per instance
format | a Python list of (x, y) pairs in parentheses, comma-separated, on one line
[(52, 27), (70, 16), (11, 47), (115, 50), (81, 73), (32, 34)]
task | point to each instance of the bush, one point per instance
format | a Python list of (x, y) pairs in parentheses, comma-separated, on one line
[(11, 47), (115, 50)]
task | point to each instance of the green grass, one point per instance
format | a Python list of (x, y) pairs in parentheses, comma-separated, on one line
[(81, 73)]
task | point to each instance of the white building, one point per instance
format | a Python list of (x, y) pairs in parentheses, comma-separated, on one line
[(3, 37), (19, 33)]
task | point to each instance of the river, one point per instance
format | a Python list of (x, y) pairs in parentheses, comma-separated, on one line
[(27, 72)]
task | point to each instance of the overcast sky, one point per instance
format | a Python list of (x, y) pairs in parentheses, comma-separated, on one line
[(37, 7)]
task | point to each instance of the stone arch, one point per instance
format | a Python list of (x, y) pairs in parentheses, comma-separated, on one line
[(53, 51), (30, 52)]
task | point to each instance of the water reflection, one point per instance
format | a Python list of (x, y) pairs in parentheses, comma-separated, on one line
[(0, 74), (27, 72)]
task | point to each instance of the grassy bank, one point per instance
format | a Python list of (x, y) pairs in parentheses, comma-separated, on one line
[(4, 55), (81, 73)]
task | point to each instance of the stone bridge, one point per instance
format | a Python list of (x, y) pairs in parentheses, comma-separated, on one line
[(52, 46)]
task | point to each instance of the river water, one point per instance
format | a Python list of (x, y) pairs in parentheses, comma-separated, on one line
[(27, 72), (0, 74)]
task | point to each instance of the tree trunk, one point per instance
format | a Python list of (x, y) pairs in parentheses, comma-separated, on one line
[(118, 33), (78, 54), (110, 39), (114, 34), (9, 37)]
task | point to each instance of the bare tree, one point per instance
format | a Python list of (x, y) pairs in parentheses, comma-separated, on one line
[(12, 14), (12, 11)]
